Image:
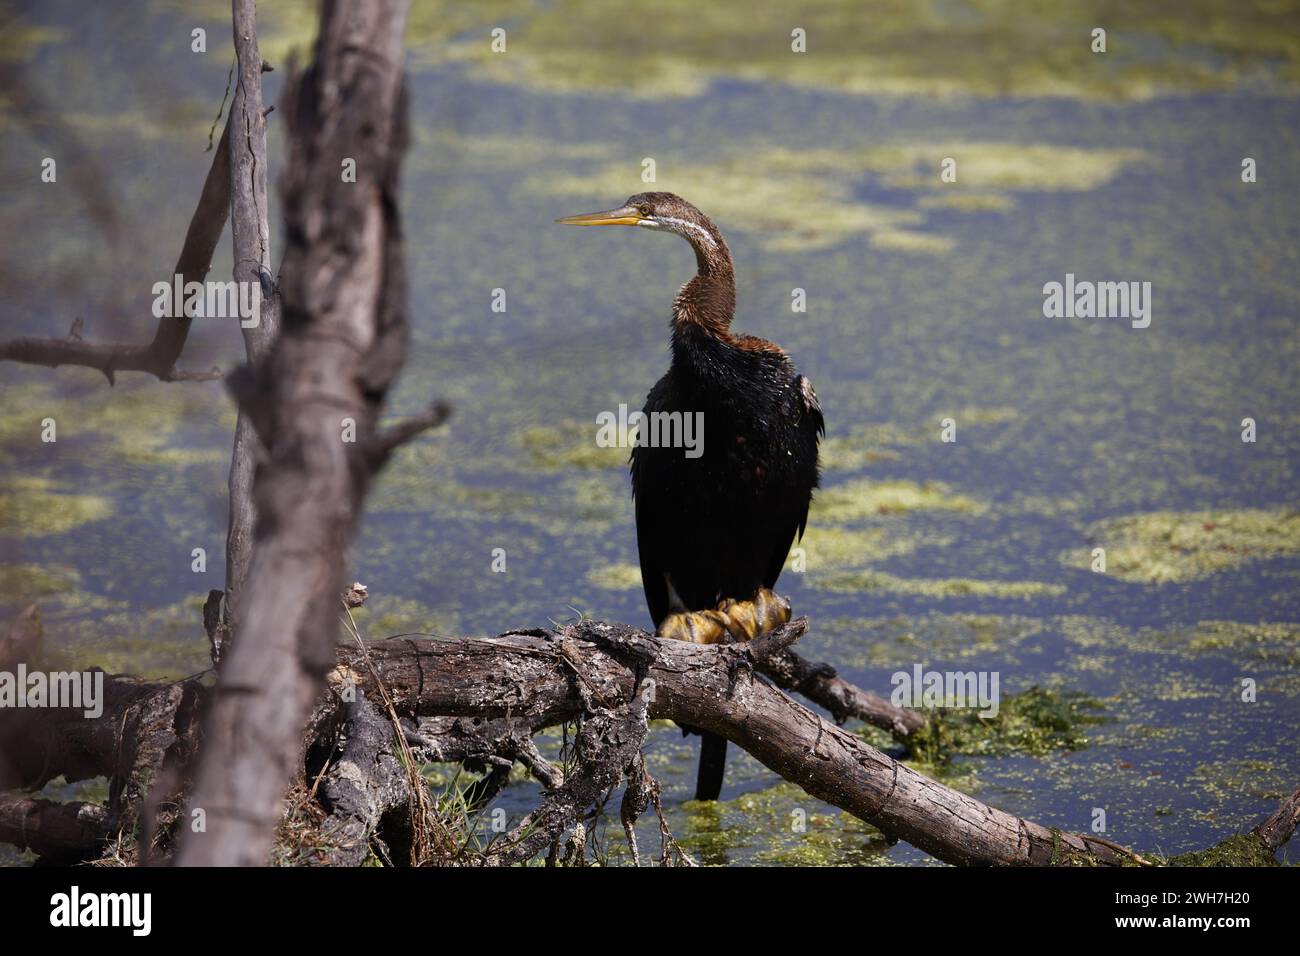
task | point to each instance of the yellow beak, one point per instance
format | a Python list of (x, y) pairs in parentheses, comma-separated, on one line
[(624, 216)]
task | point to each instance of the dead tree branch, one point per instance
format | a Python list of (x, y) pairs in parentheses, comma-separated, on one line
[(365, 781), (314, 400), (483, 699), (160, 356), (250, 235), (607, 747), (1277, 829), (54, 831)]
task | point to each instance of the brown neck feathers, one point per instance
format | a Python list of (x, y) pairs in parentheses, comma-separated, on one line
[(708, 301)]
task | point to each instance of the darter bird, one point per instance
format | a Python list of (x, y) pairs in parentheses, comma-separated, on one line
[(714, 531)]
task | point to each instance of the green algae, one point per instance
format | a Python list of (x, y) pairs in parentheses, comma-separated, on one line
[(998, 167), (387, 615), (1244, 849), (803, 200), (22, 42), (968, 202), (894, 642), (862, 445), (1036, 722), (39, 507), (859, 499), (780, 825), (1166, 546), (831, 547), (597, 500), (869, 580), (25, 583), (136, 423), (979, 48), (569, 446), (1262, 780), (865, 444), (155, 642), (616, 577)]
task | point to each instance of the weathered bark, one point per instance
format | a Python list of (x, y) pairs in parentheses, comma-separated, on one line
[(363, 783), (160, 356), (1277, 829), (250, 234), (56, 832), (146, 732), (607, 746), (342, 343)]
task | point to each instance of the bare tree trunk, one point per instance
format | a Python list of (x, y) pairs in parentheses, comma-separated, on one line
[(314, 401)]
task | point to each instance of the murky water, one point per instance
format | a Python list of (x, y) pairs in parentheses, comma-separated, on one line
[(924, 302)]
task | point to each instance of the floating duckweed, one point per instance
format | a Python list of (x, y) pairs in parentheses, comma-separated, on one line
[(138, 420), (781, 825), (941, 53), (166, 641), (798, 200), (21, 42), (831, 547), (1244, 849), (986, 416), (37, 507), (1166, 546), (1261, 779), (1035, 167), (1038, 721), (856, 500), (868, 580), (864, 445), (385, 615), (600, 498), (968, 202), (30, 582), (616, 577), (573, 446)]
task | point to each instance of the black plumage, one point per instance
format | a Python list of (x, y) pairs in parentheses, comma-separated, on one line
[(722, 525), (718, 526)]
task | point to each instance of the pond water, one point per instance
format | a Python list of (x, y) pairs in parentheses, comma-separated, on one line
[(924, 303)]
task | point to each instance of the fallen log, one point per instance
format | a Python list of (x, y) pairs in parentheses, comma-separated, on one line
[(481, 700)]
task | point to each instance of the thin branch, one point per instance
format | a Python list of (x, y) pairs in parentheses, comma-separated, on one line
[(159, 357), (393, 437)]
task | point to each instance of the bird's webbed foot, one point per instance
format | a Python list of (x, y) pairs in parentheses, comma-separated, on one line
[(732, 620), (696, 627), (765, 611)]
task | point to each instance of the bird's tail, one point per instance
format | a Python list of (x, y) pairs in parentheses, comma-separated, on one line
[(713, 761)]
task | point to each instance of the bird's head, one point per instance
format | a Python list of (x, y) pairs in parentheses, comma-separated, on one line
[(664, 212)]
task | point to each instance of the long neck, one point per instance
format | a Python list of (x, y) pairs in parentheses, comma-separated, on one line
[(707, 303)]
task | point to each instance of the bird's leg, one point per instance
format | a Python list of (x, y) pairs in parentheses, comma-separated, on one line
[(765, 611)]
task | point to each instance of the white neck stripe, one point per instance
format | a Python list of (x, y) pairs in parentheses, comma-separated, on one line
[(698, 229)]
